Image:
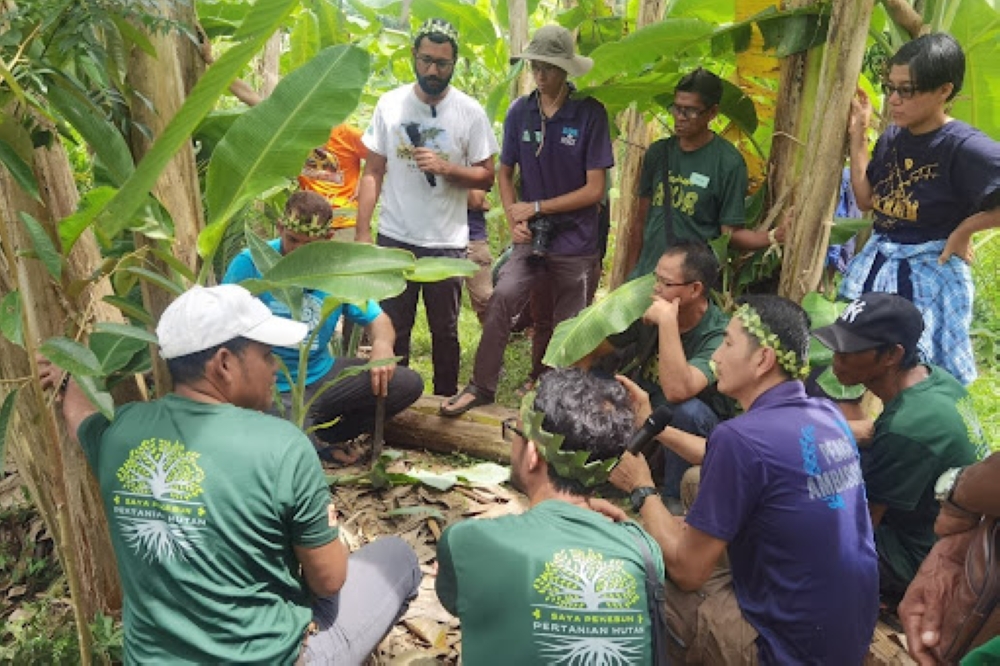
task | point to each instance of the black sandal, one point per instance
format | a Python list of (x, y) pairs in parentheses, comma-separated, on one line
[(479, 398)]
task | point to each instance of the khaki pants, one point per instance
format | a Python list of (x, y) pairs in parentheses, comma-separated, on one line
[(708, 620)]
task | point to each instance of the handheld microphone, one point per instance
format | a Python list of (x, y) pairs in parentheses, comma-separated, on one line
[(413, 132), (653, 426)]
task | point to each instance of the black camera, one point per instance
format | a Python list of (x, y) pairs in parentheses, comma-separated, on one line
[(543, 230)]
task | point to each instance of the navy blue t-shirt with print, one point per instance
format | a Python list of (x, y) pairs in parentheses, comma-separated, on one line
[(782, 485), (924, 185), (555, 157)]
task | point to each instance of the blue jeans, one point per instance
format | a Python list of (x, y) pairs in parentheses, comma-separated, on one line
[(691, 416)]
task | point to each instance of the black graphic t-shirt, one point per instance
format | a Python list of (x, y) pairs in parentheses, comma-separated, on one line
[(925, 185)]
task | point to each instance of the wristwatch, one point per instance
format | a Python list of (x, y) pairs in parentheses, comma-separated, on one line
[(639, 495), (945, 485)]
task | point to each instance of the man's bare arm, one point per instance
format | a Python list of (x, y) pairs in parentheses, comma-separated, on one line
[(324, 567), (369, 190)]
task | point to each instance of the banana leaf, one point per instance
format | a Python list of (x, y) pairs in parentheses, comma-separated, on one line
[(575, 338), (258, 25), (435, 269), (823, 312), (267, 145), (264, 257)]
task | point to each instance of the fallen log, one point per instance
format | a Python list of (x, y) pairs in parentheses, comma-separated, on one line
[(475, 433)]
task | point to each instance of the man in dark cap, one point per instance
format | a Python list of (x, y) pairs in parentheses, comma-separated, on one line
[(928, 426)]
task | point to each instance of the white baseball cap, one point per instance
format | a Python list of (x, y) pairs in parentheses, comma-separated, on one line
[(204, 317)]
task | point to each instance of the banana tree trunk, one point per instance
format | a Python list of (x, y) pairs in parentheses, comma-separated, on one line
[(55, 470), (159, 83), (803, 262), (517, 18), (638, 135)]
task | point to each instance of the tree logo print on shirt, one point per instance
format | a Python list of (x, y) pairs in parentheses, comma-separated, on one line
[(156, 511), (589, 616)]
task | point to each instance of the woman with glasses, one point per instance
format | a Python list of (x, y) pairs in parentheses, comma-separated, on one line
[(932, 182)]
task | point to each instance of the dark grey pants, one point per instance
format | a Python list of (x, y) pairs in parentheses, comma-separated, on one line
[(568, 279)]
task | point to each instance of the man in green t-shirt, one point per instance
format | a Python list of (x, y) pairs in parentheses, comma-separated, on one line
[(671, 348), (927, 426), (220, 516), (559, 583), (707, 180)]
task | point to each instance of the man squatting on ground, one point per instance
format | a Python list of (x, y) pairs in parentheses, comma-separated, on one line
[(782, 493), (562, 146), (351, 401), (560, 579), (928, 425), (214, 506), (435, 144), (672, 348)]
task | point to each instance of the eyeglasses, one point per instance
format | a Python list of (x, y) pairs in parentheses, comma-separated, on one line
[(442, 64), (509, 429), (905, 91), (542, 67), (665, 283), (686, 112)]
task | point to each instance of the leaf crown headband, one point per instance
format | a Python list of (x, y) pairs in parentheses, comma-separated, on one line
[(567, 464), (787, 358)]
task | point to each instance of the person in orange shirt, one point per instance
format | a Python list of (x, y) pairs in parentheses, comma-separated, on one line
[(334, 171)]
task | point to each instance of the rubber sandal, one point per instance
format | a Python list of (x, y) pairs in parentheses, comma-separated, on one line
[(478, 399)]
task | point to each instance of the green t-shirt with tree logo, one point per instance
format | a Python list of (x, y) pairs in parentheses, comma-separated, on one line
[(927, 429), (204, 502), (557, 584), (708, 188)]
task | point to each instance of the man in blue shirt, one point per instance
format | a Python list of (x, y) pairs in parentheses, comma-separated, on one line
[(782, 493), (352, 399)]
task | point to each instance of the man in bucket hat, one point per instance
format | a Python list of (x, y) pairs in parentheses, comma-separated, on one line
[(562, 146), (220, 517), (435, 143), (928, 426)]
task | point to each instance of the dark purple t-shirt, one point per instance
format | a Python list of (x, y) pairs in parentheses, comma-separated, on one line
[(924, 185), (477, 225), (575, 140), (782, 485)]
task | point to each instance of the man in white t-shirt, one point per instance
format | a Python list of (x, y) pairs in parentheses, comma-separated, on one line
[(435, 143)]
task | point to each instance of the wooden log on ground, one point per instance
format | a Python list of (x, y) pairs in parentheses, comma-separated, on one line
[(475, 433)]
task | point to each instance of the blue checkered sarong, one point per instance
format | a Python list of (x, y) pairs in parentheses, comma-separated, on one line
[(943, 294)]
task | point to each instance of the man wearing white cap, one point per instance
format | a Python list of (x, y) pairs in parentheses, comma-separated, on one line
[(214, 508), (561, 145)]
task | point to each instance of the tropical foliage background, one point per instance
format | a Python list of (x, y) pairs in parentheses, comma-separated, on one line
[(131, 167)]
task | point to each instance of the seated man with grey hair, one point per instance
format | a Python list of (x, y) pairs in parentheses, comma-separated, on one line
[(561, 578), (220, 516)]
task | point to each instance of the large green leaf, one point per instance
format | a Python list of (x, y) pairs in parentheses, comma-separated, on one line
[(44, 248), (101, 136), (213, 129), (264, 258), (474, 26), (845, 228), (347, 272), (435, 269), (19, 169), (304, 40), (71, 356), (268, 144), (976, 26), (642, 48), (257, 27), (114, 351), (575, 338), (11, 323), (6, 412), (96, 394), (126, 331), (91, 205)]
